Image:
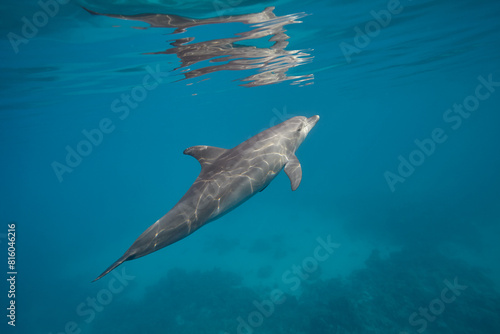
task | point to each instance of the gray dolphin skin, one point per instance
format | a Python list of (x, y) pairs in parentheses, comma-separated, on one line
[(228, 178)]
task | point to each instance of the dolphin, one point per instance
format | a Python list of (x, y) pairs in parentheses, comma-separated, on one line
[(228, 178)]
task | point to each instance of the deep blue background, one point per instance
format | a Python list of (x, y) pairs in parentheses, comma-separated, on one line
[(393, 92)]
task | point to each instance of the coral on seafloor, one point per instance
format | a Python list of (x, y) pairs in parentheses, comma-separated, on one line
[(405, 293)]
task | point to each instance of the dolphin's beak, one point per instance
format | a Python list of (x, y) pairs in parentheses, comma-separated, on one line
[(311, 121)]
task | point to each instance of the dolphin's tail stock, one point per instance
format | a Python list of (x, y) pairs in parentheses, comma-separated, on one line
[(124, 258)]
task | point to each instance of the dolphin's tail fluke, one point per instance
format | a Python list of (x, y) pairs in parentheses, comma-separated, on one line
[(124, 258)]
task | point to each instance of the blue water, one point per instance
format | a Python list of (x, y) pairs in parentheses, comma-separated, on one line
[(394, 228)]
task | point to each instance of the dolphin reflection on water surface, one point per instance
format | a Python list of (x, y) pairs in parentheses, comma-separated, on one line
[(271, 63)]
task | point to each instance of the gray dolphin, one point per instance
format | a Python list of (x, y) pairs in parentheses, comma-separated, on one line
[(228, 178)]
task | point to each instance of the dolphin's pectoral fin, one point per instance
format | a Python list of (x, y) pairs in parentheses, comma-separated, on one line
[(294, 171), (205, 154)]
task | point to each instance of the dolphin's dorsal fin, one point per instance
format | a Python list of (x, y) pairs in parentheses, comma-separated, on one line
[(205, 154), (294, 171)]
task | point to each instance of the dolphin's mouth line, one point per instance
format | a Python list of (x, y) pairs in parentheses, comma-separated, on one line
[(311, 121)]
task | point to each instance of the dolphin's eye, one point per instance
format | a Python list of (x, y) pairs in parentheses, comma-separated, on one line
[(299, 128)]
